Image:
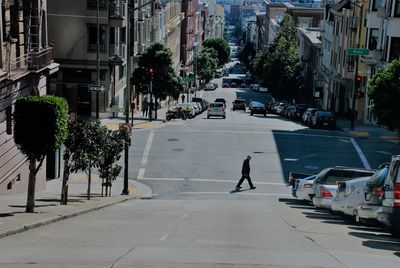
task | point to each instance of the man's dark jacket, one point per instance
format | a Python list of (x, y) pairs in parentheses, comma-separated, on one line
[(246, 166)]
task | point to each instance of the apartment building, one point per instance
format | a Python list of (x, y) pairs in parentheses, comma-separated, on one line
[(383, 42), (174, 18), (26, 65), (84, 65), (188, 36)]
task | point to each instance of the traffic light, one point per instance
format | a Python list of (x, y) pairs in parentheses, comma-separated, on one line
[(358, 81)]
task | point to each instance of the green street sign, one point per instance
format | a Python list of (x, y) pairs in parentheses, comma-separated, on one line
[(357, 51), (188, 79)]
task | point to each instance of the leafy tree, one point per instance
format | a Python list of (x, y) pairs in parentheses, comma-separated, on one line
[(87, 139), (159, 59), (40, 127), (279, 67), (221, 46), (206, 64), (384, 90), (247, 54), (111, 149)]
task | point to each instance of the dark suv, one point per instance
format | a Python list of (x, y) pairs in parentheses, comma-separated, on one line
[(239, 104)]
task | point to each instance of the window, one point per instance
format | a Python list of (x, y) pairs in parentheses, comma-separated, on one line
[(92, 4), (394, 49), (373, 39), (397, 8), (376, 4), (92, 34)]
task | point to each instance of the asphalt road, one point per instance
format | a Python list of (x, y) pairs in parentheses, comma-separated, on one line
[(196, 219)]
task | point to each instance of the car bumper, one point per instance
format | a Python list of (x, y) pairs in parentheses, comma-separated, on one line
[(390, 216), (254, 111), (216, 114), (303, 194), (322, 202), (368, 212)]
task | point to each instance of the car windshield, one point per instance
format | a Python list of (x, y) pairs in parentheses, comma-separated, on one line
[(378, 178), (335, 175), (216, 104)]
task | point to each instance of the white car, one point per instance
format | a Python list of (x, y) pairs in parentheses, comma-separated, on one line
[(216, 109), (349, 196), (304, 188)]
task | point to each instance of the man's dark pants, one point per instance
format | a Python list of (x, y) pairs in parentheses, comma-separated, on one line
[(245, 176)]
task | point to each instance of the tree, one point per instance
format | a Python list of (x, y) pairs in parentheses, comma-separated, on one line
[(247, 54), (87, 139), (40, 127), (384, 90), (158, 59), (279, 67), (206, 64), (111, 149), (221, 46)]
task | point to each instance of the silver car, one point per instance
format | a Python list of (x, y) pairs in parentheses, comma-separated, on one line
[(326, 183), (216, 109)]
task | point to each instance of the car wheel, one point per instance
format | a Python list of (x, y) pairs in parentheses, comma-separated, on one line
[(233, 109), (251, 113), (208, 117), (224, 117), (265, 115)]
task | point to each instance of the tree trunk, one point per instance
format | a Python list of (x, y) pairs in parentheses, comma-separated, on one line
[(30, 203), (64, 187), (89, 183)]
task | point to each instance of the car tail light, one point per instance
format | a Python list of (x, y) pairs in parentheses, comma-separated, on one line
[(307, 185), (397, 195), (378, 191), (325, 193)]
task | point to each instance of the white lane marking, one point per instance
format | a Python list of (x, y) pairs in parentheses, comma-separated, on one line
[(145, 156), (141, 173), (183, 217), (360, 154), (209, 180), (254, 132), (290, 159), (240, 193), (163, 237), (311, 167)]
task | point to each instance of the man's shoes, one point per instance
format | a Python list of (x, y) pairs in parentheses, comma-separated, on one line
[(252, 188), (238, 187)]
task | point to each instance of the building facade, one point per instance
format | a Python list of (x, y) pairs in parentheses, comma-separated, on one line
[(26, 66)]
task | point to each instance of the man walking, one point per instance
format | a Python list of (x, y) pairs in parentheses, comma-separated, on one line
[(145, 107), (246, 174)]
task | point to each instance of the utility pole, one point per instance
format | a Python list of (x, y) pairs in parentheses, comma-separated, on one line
[(98, 58)]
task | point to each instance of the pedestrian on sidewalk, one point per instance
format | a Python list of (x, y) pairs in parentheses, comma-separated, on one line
[(183, 98), (145, 107), (245, 174), (151, 108)]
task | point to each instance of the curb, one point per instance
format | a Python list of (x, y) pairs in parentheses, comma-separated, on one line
[(50, 220)]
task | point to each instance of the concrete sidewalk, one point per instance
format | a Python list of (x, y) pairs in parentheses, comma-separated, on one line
[(367, 131), (47, 203)]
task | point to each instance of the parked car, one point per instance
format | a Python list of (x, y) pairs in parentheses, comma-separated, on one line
[(216, 109), (233, 84), (225, 85), (297, 111), (323, 119), (285, 112), (304, 188), (325, 185), (210, 86), (308, 114), (198, 107), (243, 85), (239, 104), (202, 102), (262, 89), (349, 195), (221, 100), (280, 107), (190, 110), (373, 195), (257, 108), (293, 176), (390, 214), (255, 87)]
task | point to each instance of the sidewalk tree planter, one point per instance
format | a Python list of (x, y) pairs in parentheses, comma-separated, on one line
[(40, 127), (384, 90), (111, 149)]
